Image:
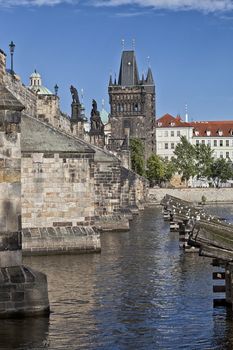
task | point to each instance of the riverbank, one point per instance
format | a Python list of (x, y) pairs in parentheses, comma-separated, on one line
[(212, 195)]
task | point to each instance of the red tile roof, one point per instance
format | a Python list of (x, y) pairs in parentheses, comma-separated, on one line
[(214, 127), (169, 121)]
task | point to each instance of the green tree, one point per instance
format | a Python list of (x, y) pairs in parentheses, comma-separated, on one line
[(221, 171), (169, 170), (155, 169), (137, 156), (204, 160), (184, 159)]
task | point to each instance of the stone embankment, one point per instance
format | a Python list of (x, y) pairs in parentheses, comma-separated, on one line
[(212, 195)]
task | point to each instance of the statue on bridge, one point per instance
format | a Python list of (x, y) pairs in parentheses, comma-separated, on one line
[(74, 94), (76, 105), (97, 125)]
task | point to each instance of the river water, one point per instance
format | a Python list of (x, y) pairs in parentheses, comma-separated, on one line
[(141, 292)]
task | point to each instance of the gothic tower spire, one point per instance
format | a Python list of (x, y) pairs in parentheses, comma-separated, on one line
[(132, 102)]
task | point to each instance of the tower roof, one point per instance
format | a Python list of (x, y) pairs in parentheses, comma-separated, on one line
[(128, 75), (149, 78)]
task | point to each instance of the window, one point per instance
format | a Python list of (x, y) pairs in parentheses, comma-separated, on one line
[(227, 154), (178, 133), (221, 143), (166, 133), (221, 154), (160, 124), (208, 132), (197, 142), (209, 143), (203, 142), (166, 146), (227, 143), (160, 134), (172, 133), (172, 145), (215, 143), (166, 158), (220, 132)]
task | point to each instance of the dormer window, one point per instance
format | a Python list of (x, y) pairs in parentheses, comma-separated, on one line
[(173, 124), (196, 133), (208, 132), (220, 132), (160, 124)]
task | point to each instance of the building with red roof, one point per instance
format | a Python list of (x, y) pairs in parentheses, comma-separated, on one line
[(169, 129), (217, 134)]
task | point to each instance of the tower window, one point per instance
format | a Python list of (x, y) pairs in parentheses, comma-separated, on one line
[(135, 107)]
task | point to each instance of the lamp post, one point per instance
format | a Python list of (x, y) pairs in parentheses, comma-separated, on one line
[(12, 49), (56, 87)]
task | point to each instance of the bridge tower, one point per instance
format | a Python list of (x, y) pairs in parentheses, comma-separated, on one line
[(132, 103)]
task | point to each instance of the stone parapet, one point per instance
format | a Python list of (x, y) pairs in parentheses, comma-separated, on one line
[(2, 66), (212, 195), (60, 240)]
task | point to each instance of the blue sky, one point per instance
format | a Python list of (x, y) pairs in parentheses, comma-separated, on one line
[(190, 44)]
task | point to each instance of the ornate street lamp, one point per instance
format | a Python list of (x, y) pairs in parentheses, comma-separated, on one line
[(12, 49), (56, 87)]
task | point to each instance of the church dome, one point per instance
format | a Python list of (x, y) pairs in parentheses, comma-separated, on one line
[(35, 74), (36, 84)]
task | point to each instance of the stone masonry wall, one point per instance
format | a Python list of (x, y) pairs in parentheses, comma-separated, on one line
[(25, 96), (224, 195), (44, 107), (58, 190), (134, 189), (60, 240), (107, 188), (48, 109), (10, 157)]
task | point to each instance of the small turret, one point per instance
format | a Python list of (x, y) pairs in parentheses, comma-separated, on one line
[(110, 80), (149, 78)]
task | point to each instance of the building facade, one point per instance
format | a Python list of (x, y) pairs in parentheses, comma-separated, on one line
[(217, 134), (168, 133)]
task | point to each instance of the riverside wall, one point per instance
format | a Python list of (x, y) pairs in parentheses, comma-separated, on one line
[(213, 195)]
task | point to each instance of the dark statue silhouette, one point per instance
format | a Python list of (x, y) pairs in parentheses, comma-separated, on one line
[(74, 94), (96, 122)]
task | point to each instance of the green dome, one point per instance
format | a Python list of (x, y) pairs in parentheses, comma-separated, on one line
[(41, 90)]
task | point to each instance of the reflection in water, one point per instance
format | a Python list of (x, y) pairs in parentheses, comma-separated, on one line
[(31, 333), (141, 292)]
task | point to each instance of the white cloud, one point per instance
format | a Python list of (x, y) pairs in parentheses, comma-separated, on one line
[(199, 5), (10, 3), (131, 14)]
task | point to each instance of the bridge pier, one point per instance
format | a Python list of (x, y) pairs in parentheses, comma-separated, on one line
[(23, 292)]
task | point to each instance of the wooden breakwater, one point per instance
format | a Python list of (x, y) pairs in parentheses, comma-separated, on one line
[(207, 234)]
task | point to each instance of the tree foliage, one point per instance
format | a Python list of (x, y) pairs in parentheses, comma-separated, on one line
[(204, 160), (185, 159), (155, 169), (221, 171), (169, 170), (159, 170), (137, 156)]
